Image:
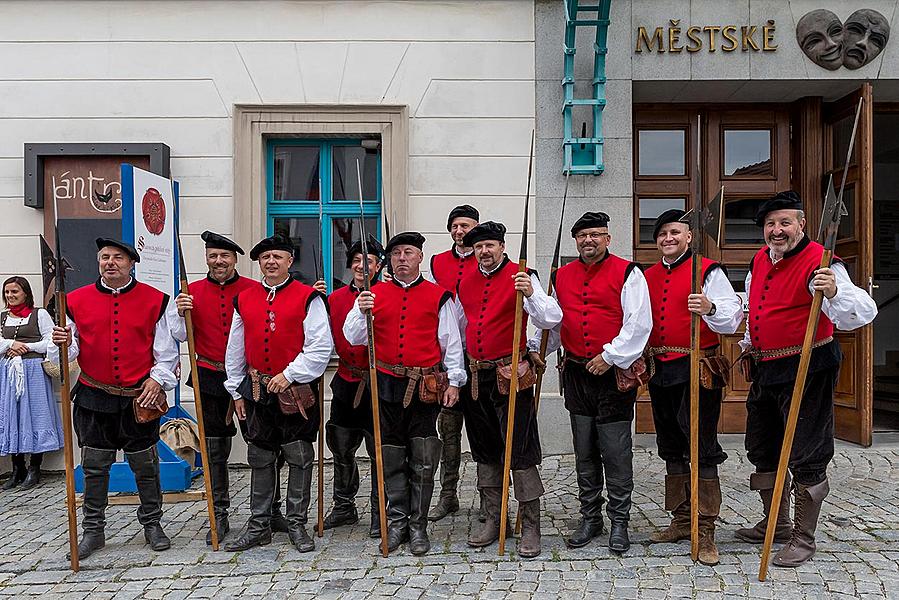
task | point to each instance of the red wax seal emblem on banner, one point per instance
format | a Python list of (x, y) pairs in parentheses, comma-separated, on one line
[(153, 210)]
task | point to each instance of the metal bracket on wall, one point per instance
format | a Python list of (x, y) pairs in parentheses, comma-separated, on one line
[(583, 155)]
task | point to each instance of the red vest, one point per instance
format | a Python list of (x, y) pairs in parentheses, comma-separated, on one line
[(340, 302), (273, 330), (406, 321), (211, 315), (779, 299), (116, 331), (590, 297), (669, 288), (448, 268), (489, 305)]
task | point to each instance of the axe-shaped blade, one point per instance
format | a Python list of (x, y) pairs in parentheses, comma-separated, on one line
[(833, 210), (708, 221)]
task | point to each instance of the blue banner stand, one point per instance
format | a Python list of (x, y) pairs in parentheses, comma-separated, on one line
[(175, 473)]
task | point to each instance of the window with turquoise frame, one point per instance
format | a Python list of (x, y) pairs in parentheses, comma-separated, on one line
[(303, 175)]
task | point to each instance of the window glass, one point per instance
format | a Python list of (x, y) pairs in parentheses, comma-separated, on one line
[(296, 176), (303, 232), (343, 173), (345, 231), (737, 277), (739, 221), (650, 209), (841, 131), (747, 152), (662, 152)]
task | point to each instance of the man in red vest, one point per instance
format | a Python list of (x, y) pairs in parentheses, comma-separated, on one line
[(280, 343), (783, 277), (351, 419), (447, 269), (211, 302), (486, 302), (606, 325), (670, 283), (121, 332), (420, 368)]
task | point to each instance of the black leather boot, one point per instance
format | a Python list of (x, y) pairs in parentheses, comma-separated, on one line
[(279, 522), (618, 459), (95, 464), (263, 480), (19, 472), (396, 480), (374, 529), (145, 465), (424, 460), (299, 455), (449, 425), (343, 443), (219, 450), (589, 482), (528, 490), (33, 477)]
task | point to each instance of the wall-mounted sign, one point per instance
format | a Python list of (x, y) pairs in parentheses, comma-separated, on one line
[(830, 43), (676, 38)]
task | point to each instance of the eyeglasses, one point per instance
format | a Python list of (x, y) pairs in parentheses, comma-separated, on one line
[(593, 236)]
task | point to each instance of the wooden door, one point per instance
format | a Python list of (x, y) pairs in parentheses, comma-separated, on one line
[(853, 401)]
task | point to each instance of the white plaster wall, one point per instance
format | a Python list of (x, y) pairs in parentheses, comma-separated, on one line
[(129, 71)]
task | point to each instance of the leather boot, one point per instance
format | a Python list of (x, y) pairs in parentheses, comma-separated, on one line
[(763, 483), (279, 522), (299, 455), (263, 479), (374, 529), (528, 490), (618, 459), (32, 478), (482, 508), (343, 443), (396, 482), (709, 508), (95, 464), (677, 502), (801, 547), (589, 482), (449, 425), (19, 472), (490, 481), (425, 455), (145, 466), (219, 450)]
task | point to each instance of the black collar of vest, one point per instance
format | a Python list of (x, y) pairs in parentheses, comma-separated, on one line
[(597, 263), (233, 279), (278, 287), (805, 241), (417, 281), (684, 258), (459, 256), (501, 266), (101, 287)]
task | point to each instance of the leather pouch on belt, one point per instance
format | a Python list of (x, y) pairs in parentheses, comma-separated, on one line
[(714, 372), (747, 366), (145, 415), (632, 377), (296, 399), (432, 386), (526, 377)]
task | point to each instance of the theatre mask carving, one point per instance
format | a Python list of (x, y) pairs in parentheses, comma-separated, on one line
[(830, 43)]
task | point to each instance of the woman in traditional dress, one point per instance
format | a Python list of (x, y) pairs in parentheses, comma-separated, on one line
[(29, 415)]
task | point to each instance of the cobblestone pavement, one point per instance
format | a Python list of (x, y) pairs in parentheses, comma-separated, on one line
[(857, 556)]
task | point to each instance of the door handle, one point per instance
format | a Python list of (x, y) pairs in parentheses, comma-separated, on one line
[(872, 286)]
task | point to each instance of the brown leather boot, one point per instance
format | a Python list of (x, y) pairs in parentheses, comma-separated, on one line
[(709, 508), (529, 542), (677, 501), (801, 547), (490, 480), (763, 483)]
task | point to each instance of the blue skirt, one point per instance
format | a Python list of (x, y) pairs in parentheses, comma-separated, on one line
[(29, 424)]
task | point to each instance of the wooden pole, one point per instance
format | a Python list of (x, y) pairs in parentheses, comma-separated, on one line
[(66, 401), (321, 460), (694, 409)]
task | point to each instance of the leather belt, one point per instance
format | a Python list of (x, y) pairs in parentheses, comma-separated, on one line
[(414, 374), (115, 390), (364, 379), (216, 365), (475, 365), (783, 352), (652, 351)]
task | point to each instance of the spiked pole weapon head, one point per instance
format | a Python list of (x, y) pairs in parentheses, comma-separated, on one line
[(363, 239), (834, 207)]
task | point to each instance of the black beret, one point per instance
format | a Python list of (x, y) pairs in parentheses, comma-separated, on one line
[(275, 242), (465, 210), (588, 220), (407, 238), (488, 230), (127, 248), (673, 215), (374, 248), (214, 240), (781, 201)]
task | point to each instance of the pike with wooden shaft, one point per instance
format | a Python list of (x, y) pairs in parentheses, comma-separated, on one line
[(321, 399), (516, 358), (827, 235), (65, 397), (373, 374), (198, 396)]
